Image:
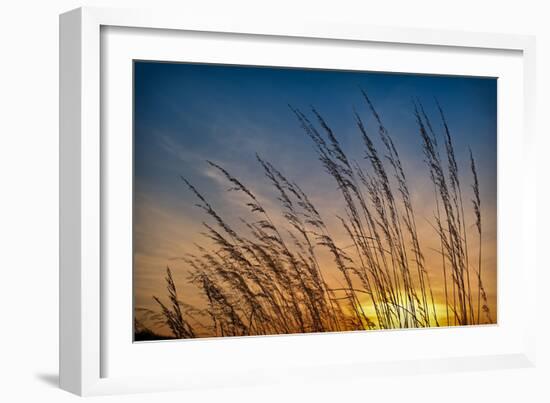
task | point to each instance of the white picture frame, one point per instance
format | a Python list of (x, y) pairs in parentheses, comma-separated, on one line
[(93, 342)]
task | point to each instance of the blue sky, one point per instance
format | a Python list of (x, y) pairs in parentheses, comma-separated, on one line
[(186, 114)]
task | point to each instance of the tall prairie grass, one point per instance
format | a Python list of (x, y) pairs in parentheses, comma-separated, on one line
[(267, 277)]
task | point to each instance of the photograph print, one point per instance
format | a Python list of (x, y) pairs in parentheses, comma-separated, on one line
[(272, 201)]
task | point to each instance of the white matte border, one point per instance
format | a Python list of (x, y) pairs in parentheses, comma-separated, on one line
[(120, 46), (86, 292)]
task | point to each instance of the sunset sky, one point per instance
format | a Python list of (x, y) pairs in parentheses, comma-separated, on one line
[(186, 114)]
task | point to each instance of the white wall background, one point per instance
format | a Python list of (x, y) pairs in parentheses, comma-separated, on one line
[(29, 197)]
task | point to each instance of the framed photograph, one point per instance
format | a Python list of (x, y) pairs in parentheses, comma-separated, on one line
[(242, 200)]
